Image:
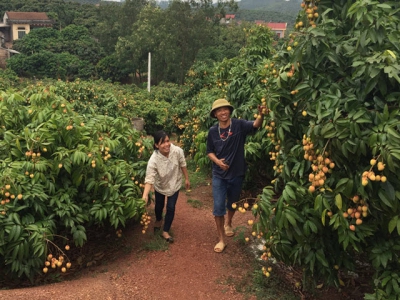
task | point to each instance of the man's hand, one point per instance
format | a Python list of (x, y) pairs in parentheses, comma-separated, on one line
[(263, 110), (223, 164)]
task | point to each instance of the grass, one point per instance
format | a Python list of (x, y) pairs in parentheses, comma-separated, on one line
[(195, 203), (156, 244), (254, 283), (197, 178)]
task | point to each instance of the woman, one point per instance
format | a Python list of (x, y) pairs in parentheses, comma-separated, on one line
[(164, 172)]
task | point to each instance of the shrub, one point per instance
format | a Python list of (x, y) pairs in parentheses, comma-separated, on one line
[(61, 171)]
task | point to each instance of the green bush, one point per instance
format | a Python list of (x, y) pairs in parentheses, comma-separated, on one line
[(329, 150), (334, 89), (60, 172)]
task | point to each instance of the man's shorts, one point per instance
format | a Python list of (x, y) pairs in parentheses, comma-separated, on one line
[(225, 189)]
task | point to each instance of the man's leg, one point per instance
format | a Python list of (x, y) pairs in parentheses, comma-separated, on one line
[(219, 221), (219, 194), (233, 194), (229, 218)]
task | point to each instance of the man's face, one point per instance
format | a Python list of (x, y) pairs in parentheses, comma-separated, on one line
[(222, 113)]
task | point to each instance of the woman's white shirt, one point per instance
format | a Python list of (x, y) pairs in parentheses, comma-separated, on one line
[(165, 173)]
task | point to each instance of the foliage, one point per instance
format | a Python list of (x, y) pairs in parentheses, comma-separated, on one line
[(333, 91), (266, 16), (64, 13), (113, 68), (229, 41), (46, 64), (330, 144), (285, 7), (156, 32), (61, 171), (46, 52), (8, 79)]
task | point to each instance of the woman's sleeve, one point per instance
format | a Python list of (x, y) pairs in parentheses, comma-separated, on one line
[(182, 160), (151, 171)]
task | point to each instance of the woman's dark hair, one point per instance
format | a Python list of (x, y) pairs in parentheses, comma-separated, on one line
[(158, 136)]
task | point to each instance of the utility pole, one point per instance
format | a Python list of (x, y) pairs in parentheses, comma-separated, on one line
[(148, 73)]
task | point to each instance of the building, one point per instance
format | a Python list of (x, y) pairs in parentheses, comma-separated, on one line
[(228, 19), (17, 24), (278, 28)]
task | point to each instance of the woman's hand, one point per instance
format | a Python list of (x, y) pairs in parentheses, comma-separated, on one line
[(187, 184)]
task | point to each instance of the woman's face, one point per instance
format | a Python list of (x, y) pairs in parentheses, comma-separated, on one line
[(164, 146)]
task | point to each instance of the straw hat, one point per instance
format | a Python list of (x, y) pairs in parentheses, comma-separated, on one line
[(220, 103)]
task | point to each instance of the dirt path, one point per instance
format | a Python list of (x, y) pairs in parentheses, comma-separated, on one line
[(189, 269)]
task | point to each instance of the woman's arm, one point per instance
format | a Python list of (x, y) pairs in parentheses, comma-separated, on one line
[(147, 188), (185, 173)]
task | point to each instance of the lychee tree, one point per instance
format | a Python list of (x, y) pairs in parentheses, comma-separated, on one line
[(331, 141), (336, 121), (62, 172)]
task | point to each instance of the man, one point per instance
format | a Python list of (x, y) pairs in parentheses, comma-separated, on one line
[(225, 148)]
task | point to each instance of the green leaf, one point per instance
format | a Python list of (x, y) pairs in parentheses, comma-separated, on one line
[(290, 192), (321, 258), (341, 185), (318, 202), (385, 199), (290, 218), (338, 201), (394, 222)]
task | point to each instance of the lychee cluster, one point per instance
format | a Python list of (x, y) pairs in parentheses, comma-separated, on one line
[(141, 185), (8, 193), (34, 156), (321, 164), (105, 152), (145, 221), (273, 71), (310, 9), (355, 213), (370, 174), (60, 262), (245, 205), (265, 256), (141, 147), (274, 155)]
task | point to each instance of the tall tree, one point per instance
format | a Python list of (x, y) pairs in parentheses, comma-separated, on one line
[(109, 27), (147, 36)]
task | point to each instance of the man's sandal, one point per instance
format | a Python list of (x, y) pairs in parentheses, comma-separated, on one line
[(219, 247), (229, 230)]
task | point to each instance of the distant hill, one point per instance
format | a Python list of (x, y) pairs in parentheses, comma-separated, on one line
[(291, 7), (249, 10), (279, 11), (267, 16)]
